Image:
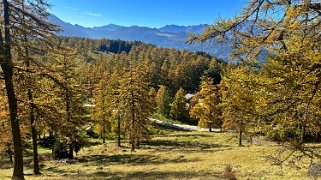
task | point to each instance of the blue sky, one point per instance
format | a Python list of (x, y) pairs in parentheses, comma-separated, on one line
[(150, 13)]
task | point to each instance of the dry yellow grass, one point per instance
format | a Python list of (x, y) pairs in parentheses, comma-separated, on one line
[(177, 155)]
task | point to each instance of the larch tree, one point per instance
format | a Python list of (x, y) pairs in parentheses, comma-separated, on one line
[(291, 81), (179, 106), (152, 94), (8, 68), (13, 14), (115, 105), (287, 34), (258, 31), (207, 110), (163, 100), (136, 104), (70, 95), (28, 44), (102, 110), (239, 99)]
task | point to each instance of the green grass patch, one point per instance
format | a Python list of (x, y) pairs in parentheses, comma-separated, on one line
[(174, 155)]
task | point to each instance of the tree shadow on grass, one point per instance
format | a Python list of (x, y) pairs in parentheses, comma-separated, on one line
[(55, 170), (160, 145), (103, 160), (148, 174), (188, 135), (5, 164), (157, 175)]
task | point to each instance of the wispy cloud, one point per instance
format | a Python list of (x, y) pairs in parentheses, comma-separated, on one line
[(93, 14), (71, 8)]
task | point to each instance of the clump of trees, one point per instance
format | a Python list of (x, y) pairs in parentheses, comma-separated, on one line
[(274, 84)]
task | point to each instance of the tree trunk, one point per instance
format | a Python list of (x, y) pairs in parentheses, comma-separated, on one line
[(133, 128), (132, 131), (7, 68), (138, 143), (34, 142), (210, 124), (15, 125), (103, 135), (55, 136), (32, 116), (132, 137), (103, 132), (68, 110), (31, 105), (132, 142), (240, 137), (118, 130), (36, 169), (71, 150)]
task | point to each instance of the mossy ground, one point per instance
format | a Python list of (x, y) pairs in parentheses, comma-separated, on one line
[(169, 155)]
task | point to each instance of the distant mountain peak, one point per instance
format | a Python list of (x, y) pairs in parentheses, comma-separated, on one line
[(109, 27), (170, 36)]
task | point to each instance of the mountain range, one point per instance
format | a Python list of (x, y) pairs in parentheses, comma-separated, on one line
[(170, 36)]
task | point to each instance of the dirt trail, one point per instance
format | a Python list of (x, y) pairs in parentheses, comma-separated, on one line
[(181, 127)]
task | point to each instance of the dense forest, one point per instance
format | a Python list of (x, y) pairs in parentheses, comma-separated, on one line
[(67, 89), (60, 93)]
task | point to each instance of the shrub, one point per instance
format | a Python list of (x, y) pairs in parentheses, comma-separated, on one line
[(229, 173), (80, 143), (288, 134), (280, 134), (60, 151), (91, 133), (47, 142)]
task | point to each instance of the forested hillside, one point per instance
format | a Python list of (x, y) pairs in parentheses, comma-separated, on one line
[(73, 107), (65, 90)]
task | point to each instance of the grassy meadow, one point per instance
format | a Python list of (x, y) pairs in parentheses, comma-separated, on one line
[(169, 155)]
